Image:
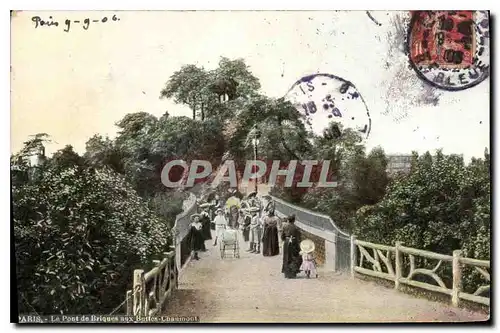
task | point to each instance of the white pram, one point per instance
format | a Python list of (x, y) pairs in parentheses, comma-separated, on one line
[(229, 242)]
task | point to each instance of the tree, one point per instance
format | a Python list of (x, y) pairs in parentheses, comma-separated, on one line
[(233, 77), (187, 86), (102, 152), (369, 177), (66, 158), (206, 92), (283, 136)]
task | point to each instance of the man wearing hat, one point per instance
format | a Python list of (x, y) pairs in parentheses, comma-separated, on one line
[(255, 231), (220, 224)]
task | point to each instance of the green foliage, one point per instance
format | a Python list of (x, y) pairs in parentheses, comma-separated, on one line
[(235, 79), (79, 234), (205, 92), (66, 158), (186, 86), (283, 135), (362, 179), (102, 152)]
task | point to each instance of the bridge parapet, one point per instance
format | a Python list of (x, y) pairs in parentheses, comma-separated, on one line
[(332, 244)]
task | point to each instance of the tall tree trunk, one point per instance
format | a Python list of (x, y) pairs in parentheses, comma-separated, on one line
[(202, 113), (193, 107)]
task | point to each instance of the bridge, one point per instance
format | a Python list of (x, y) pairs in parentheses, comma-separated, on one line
[(348, 289)]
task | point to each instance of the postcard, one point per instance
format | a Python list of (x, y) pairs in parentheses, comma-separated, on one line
[(251, 166)]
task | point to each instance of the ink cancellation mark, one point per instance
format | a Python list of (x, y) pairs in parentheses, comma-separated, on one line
[(322, 98), (450, 49), (39, 22)]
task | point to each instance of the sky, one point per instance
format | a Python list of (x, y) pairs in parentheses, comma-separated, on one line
[(75, 84)]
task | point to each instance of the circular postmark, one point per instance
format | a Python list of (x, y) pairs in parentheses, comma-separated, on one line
[(324, 98), (450, 49)]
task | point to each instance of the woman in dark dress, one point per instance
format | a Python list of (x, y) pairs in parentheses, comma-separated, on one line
[(214, 205), (291, 249), (270, 240), (247, 218), (233, 217), (205, 222), (196, 238)]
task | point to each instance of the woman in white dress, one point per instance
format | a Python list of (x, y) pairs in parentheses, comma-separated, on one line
[(220, 222)]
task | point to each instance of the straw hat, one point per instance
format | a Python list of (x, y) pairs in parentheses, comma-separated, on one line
[(193, 216), (205, 205), (219, 210), (307, 246)]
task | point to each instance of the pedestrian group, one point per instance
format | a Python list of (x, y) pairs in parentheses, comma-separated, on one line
[(267, 230)]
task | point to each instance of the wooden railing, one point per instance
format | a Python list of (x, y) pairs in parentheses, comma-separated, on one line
[(151, 290), (387, 263)]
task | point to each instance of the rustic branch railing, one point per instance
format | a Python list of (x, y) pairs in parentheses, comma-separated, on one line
[(387, 263), (152, 289)]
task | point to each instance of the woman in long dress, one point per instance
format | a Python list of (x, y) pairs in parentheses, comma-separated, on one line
[(197, 241), (245, 226), (270, 243), (220, 225), (292, 259), (205, 222), (233, 217)]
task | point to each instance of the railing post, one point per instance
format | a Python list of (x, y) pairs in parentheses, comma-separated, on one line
[(335, 253), (139, 292), (353, 255), (175, 270), (457, 277), (129, 303), (177, 244), (398, 268)]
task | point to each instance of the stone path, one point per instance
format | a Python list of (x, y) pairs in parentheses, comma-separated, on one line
[(252, 289)]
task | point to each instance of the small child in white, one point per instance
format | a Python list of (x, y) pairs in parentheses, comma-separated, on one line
[(308, 261)]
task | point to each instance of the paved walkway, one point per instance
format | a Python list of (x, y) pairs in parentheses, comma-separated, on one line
[(252, 289)]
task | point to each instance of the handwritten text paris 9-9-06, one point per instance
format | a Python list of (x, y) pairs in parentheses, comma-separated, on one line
[(68, 24)]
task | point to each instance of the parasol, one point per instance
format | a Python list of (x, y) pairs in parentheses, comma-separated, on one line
[(233, 201)]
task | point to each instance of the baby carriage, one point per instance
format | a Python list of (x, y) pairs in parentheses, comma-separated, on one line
[(229, 242)]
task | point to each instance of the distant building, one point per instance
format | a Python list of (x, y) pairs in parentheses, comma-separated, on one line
[(398, 163)]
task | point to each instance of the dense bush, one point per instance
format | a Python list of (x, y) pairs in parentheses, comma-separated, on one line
[(79, 234)]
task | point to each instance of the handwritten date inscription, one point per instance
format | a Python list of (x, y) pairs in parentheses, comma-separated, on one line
[(85, 23)]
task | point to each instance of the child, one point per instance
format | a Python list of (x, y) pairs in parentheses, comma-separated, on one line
[(220, 224), (308, 261)]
